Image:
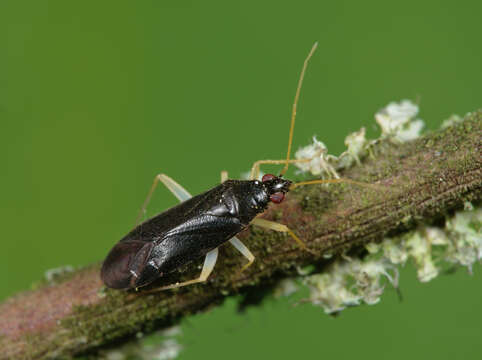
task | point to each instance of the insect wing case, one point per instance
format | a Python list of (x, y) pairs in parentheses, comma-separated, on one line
[(183, 233)]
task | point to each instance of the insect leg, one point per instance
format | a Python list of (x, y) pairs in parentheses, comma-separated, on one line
[(235, 241), (224, 176), (179, 192), (255, 168), (208, 266), (337, 181), (281, 228), (243, 250)]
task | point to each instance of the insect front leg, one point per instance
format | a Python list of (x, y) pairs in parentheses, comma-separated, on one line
[(255, 175), (179, 192), (208, 266)]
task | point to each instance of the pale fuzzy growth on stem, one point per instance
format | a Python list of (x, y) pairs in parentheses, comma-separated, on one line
[(419, 248), (356, 144), (397, 122), (452, 120), (52, 275), (286, 287), (354, 281), (351, 282), (168, 349), (465, 231), (162, 345), (321, 164)]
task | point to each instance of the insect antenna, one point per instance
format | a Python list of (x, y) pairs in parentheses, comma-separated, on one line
[(290, 139), (255, 168), (295, 103)]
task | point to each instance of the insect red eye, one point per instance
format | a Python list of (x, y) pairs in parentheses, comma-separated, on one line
[(277, 197), (267, 177)]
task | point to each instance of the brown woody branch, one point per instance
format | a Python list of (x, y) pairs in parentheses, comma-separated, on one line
[(419, 181)]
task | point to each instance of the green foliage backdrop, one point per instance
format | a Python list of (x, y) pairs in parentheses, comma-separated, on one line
[(98, 97)]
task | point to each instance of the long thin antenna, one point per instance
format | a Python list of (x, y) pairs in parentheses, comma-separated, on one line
[(295, 103)]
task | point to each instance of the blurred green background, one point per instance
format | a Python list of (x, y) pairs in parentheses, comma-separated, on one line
[(96, 97)]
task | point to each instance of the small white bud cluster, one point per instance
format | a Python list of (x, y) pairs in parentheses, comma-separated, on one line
[(350, 282), (321, 163), (52, 275), (397, 122), (161, 345), (353, 281), (452, 120)]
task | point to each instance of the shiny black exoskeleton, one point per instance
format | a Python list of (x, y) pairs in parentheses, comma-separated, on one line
[(189, 230)]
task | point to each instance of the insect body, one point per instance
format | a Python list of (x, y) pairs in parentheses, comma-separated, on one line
[(189, 230), (200, 224)]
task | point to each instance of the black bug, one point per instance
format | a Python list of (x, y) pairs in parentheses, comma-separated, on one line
[(193, 228), (200, 224)]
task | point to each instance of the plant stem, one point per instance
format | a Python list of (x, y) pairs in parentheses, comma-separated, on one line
[(419, 181)]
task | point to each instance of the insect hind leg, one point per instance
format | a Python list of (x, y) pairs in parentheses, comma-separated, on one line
[(177, 190), (208, 266)]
